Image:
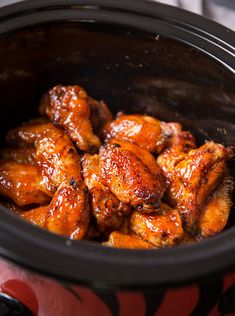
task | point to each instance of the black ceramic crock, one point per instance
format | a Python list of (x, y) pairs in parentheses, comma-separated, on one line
[(138, 56)]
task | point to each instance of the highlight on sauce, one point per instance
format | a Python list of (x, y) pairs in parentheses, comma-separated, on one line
[(129, 181)]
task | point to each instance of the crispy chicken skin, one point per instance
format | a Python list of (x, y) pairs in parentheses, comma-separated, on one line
[(120, 240), (67, 107), (21, 183), (59, 164), (142, 130), (161, 228), (142, 154), (214, 215), (107, 210), (57, 159), (129, 179), (192, 179), (23, 155)]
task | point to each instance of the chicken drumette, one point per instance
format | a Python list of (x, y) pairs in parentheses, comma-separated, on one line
[(59, 163), (131, 179), (68, 107), (48, 182)]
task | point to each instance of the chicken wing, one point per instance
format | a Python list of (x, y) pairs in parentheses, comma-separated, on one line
[(107, 210), (23, 155), (142, 130), (170, 157), (129, 179), (67, 107), (214, 215), (66, 215), (27, 133), (142, 154), (36, 216), (192, 179), (161, 228), (120, 240), (57, 159), (59, 163), (21, 183), (69, 211)]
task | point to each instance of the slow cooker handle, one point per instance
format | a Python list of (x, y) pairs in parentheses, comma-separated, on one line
[(9, 306), (17, 298)]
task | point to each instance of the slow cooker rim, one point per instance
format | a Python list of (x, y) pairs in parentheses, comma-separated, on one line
[(161, 268), (189, 22), (104, 267)]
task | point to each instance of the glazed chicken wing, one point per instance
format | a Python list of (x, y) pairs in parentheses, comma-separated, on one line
[(27, 133), (21, 183), (120, 240), (161, 228), (59, 163), (192, 179), (130, 179), (69, 211), (215, 213), (23, 155), (64, 215), (36, 216), (142, 154), (107, 210), (117, 195), (68, 108), (142, 130), (57, 159), (170, 157)]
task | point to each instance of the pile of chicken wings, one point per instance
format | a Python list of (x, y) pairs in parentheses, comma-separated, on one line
[(129, 182)]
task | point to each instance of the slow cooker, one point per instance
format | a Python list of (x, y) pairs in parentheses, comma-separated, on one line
[(142, 57)]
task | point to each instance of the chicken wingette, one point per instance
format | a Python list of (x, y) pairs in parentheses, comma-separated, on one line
[(130, 179), (147, 158), (21, 183), (59, 163), (27, 133), (215, 213), (161, 228), (192, 177)]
